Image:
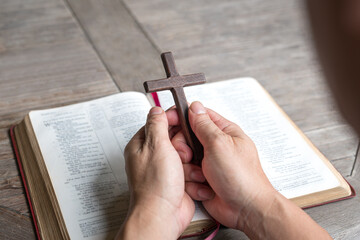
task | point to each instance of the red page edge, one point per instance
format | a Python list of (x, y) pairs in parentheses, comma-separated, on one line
[(156, 99), (16, 151)]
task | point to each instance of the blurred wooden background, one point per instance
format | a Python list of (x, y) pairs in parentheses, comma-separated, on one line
[(57, 52)]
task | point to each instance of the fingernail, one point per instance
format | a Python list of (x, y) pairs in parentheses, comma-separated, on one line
[(197, 176), (155, 111), (197, 108), (205, 193)]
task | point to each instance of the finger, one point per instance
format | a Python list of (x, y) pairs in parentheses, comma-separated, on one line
[(172, 116), (173, 130), (202, 125), (180, 145), (173, 120), (208, 125), (172, 107), (193, 173), (225, 125), (198, 191), (156, 128), (136, 142)]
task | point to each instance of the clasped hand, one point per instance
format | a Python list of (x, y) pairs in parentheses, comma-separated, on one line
[(163, 182)]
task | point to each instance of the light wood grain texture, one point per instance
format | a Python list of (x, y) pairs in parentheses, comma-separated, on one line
[(341, 219), (45, 61), (262, 39), (266, 40), (335, 142), (127, 52), (15, 226), (11, 189)]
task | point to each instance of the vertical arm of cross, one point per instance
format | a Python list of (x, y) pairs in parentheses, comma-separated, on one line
[(169, 64), (182, 109), (175, 83)]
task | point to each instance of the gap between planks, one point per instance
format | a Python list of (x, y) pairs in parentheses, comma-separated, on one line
[(355, 168), (7, 209), (129, 55), (73, 14), (137, 22)]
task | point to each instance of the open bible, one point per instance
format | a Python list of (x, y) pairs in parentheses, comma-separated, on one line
[(72, 163)]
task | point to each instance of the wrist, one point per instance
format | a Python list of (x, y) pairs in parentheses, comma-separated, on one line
[(280, 218), (149, 222), (258, 210)]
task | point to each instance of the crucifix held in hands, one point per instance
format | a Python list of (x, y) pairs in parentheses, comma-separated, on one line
[(176, 83)]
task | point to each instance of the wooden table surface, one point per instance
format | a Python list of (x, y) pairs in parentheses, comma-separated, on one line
[(58, 52)]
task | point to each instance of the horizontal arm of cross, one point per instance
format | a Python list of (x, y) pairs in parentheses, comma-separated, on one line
[(174, 82)]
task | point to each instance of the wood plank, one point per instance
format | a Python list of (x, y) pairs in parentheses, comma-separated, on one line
[(311, 113), (229, 38), (45, 61), (12, 195), (5, 146), (335, 141), (340, 219), (127, 52), (267, 40), (344, 165), (309, 106), (356, 168), (37, 23), (41, 45), (15, 226)]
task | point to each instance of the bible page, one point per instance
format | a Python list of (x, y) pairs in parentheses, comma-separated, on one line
[(82, 146), (291, 165)]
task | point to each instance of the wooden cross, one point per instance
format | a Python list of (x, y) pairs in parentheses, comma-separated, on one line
[(175, 83)]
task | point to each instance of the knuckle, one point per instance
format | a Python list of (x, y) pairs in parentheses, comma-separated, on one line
[(215, 140), (154, 142), (201, 123), (179, 141), (155, 118), (218, 140), (154, 123), (232, 127), (151, 123)]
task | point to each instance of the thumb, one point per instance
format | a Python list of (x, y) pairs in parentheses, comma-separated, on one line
[(202, 125), (156, 128)]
